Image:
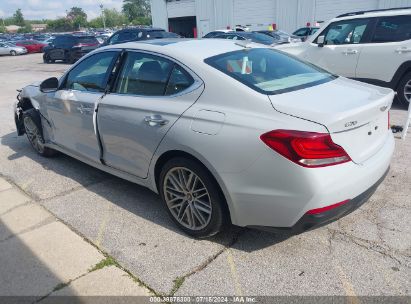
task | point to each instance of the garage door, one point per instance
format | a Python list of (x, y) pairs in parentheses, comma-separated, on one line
[(328, 9), (181, 8), (254, 12)]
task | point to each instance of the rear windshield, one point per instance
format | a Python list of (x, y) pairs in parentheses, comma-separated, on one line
[(261, 38), (269, 71)]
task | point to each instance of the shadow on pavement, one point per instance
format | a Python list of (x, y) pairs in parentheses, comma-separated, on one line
[(138, 200)]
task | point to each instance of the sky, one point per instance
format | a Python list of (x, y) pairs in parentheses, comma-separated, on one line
[(52, 9)]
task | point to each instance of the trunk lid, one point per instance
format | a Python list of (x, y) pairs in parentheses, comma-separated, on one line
[(355, 114)]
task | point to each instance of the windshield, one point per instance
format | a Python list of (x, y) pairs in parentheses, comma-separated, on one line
[(269, 71)]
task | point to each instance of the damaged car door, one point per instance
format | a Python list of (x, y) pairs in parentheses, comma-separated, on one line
[(71, 109), (150, 94)]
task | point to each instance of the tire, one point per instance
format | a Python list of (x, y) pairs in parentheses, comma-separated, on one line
[(13, 53), (46, 58), (34, 132), (404, 90), (198, 218)]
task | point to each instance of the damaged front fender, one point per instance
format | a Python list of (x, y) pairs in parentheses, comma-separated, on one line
[(27, 98)]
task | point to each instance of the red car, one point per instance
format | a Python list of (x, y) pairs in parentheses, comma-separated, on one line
[(32, 46)]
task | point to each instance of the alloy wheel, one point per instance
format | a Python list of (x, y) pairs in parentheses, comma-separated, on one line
[(187, 198), (34, 135)]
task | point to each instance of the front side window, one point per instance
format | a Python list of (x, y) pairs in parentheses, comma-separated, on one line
[(91, 74), (269, 71), (346, 32), (392, 29)]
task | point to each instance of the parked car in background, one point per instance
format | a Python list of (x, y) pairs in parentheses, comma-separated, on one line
[(138, 34), (69, 48), (281, 37), (32, 46), (238, 28), (253, 36), (224, 132), (48, 40), (10, 49), (213, 34), (305, 32), (371, 46)]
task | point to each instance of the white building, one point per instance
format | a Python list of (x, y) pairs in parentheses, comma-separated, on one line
[(198, 17)]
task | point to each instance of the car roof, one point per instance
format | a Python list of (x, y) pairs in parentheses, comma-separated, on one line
[(183, 49), (375, 13), (149, 29)]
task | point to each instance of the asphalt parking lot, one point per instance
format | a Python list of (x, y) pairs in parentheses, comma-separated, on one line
[(365, 253)]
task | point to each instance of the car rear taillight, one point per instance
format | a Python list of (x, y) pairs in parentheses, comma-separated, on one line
[(326, 208), (307, 149)]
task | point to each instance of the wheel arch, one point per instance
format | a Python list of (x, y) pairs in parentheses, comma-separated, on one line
[(23, 104), (166, 156), (401, 71)]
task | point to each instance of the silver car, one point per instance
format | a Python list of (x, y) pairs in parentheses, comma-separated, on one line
[(225, 131), (11, 49)]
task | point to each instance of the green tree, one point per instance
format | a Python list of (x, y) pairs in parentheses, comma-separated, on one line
[(18, 18), (112, 17), (134, 9), (77, 16), (26, 28), (60, 25)]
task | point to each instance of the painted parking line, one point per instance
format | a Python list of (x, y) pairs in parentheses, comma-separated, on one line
[(234, 273), (103, 226)]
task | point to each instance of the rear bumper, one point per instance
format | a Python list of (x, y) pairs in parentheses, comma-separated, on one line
[(274, 192), (313, 221)]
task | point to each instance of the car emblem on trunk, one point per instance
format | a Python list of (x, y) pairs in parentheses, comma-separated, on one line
[(350, 124), (383, 108)]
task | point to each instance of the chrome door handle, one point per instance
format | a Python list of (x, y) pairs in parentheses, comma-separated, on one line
[(350, 52), (403, 50), (155, 120)]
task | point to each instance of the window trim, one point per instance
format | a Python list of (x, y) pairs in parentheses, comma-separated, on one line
[(277, 92), (198, 82), (375, 28)]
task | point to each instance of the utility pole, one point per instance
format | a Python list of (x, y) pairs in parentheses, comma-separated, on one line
[(103, 16)]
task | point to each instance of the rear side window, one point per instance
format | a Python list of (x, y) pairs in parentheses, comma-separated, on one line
[(179, 81), (269, 71), (149, 75), (391, 29), (144, 74)]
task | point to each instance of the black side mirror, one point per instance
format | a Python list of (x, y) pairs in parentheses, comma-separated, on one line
[(49, 85)]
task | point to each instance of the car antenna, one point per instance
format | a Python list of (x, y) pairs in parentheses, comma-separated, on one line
[(244, 43)]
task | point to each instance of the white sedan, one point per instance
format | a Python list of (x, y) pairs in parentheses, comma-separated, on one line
[(7, 48), (225, 132)]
